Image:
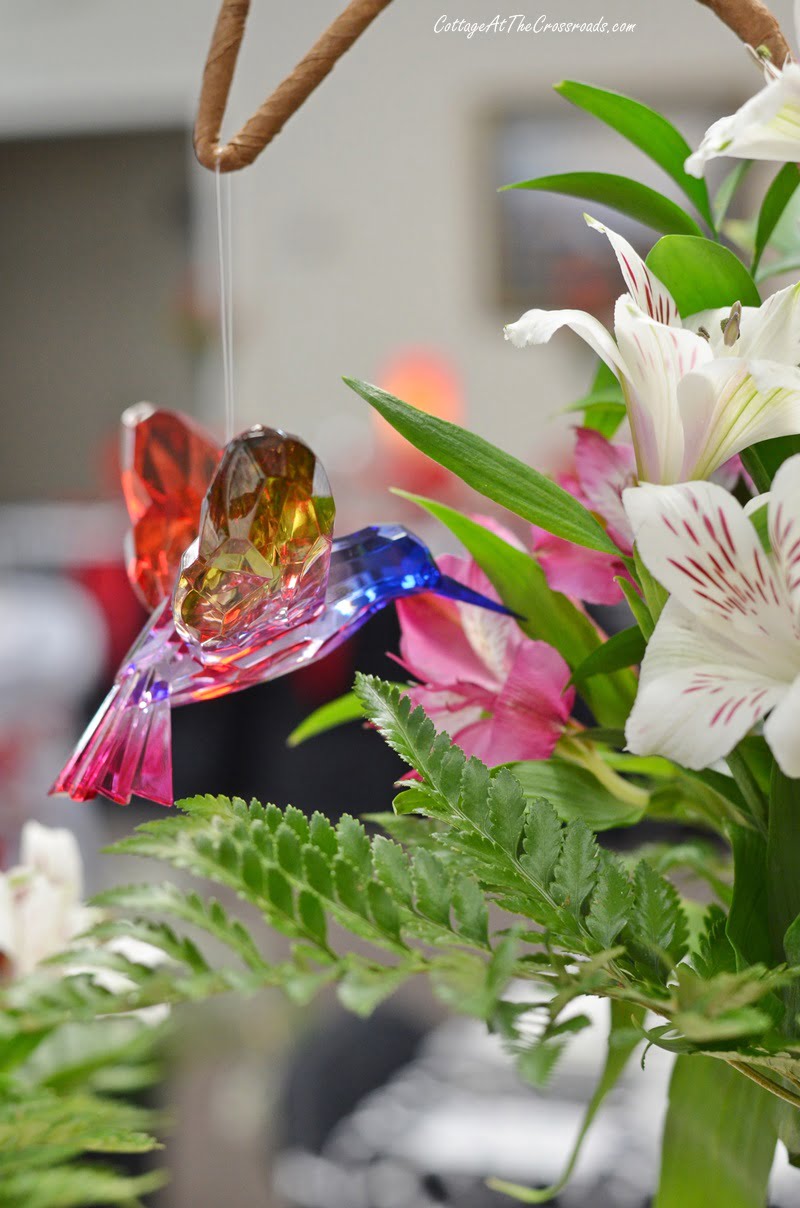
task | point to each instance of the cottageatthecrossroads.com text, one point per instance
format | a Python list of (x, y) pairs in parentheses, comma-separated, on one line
[(519, 23)]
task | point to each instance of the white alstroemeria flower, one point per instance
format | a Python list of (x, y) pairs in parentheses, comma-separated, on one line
[(726, 649), (695, 396), (41, 907), (42, 912), (766, 127)]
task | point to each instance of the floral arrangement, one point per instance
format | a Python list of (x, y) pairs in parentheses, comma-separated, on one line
[(527, 736)]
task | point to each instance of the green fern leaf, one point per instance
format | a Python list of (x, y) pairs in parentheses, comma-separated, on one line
[(657, 925), (543, 837), (470, 912), (432, 888), (391, 868), (576, 868), (611, 903), (506, 810)]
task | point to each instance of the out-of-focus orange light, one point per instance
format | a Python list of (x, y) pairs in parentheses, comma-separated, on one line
[(426, 379)]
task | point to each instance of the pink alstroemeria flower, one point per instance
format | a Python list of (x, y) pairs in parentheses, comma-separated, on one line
[(500, 695), (602, 471)]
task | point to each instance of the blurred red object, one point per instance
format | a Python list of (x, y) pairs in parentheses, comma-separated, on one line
[(426, 379), (122, 612)]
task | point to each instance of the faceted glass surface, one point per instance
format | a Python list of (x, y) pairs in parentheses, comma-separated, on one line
[(167, 463), (261, 561)]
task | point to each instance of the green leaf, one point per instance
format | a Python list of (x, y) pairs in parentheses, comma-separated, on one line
[(542, 841), (623, 1037), (657, 924), (576, 868), (575, 794), (604, 417), (623, 649), (432, 888), (727, 191), (506, 809), (354, 843), (312, 916), (778, 196), (327, 717), (612, 899), (701, 275), (77, 1187), (391, 868), (489, 470), (629, 197), (763, 460), (364, 987), (748, 929), (544, 615), (719, 1138), (383, 909), (715, 953), (638, 607), (647, 130), (469, 910)]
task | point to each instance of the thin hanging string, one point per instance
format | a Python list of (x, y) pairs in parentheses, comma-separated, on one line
[(225, 255)]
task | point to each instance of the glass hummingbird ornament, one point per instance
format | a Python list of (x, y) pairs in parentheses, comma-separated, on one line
[(262, 589)]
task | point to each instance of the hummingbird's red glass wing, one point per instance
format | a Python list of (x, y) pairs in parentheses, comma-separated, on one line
[(168, 461)]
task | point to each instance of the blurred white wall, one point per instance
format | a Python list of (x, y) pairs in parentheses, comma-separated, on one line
[(367, 224)]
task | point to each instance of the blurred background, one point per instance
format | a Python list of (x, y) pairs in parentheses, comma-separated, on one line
[(370, 241)]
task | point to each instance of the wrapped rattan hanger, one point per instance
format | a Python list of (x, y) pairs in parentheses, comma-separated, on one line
[(287, 98)]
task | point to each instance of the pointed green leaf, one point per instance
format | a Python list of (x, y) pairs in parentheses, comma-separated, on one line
[(327, 717), (432, 888), (629, 197), (391, 867), (778, 196), (575, 793), (469, 911), (489, 470), (647, 130), (623, 649), (312, 916), (612, 899), (701, 275), (506, 810), (542, 841), (719, 1138), (576, 868)]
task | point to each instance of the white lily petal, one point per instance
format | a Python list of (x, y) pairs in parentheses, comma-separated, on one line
[(770, 332), (699, 692), (782, 732), (728, 405), (54, 852), (539, 326), (766, 127), (657, 357), (649, 294), (784, 530), (8, 927), (697, 542)]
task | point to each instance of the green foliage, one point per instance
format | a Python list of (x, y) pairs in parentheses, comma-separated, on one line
[(646, 129), (778, 196), (701, 275), (486, 877), (327, 717), (61, 1104), (496, 474), (629, 197)]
